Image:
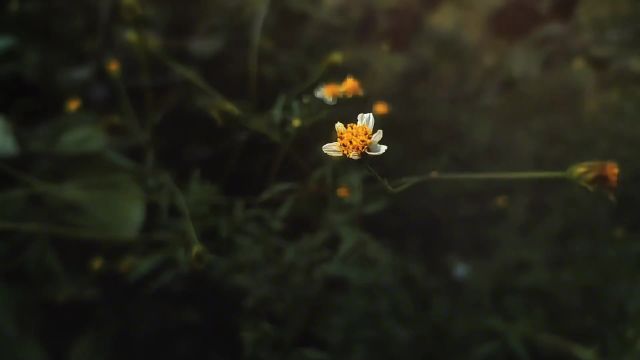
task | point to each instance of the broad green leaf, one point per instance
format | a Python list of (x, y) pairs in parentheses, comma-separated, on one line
[(113, 204), (81, 139)]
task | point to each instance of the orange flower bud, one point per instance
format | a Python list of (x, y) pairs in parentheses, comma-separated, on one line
[(596, 175)]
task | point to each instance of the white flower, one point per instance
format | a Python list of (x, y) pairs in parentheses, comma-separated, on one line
[(355, 139)]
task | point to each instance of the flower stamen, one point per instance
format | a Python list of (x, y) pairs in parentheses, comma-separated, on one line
[(354, 140)]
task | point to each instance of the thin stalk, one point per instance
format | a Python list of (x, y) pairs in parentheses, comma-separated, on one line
[(254, 48), (125, 104), (25, 178), (73, 233), (186, 213), (407, 182)]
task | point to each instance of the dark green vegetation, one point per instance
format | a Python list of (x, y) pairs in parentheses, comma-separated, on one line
[(177, 212)]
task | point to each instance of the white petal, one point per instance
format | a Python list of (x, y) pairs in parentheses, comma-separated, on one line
[(319, 92), (376, 137), (330, 100), (376, 149), (332, 149), (340, 127), (354, 156), (366, 120)]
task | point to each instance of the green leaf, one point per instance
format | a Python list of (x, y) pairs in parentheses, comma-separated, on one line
[(113, 204), (8, 144), (84, 138)]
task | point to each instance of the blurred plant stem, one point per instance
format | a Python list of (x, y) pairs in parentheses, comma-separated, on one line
[(254, 48), (407, 182), (126, 106), (518, 332), (183, 207), (75, 233), (219, 103), (25, 178)]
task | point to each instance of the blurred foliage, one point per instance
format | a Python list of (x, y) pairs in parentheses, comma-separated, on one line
[(164, 194)]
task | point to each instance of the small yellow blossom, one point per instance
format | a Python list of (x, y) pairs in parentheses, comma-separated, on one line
[(73, 104), (113, 66), (343, 192), (132, 36), (355, 139), (335, 58), (96, 263), (501, 202), (296, 122), (619, 232), (381, 108), (351, 87), (126, 264), (579, 63)]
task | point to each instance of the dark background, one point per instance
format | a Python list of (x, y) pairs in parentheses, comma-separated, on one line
[(178, 212)]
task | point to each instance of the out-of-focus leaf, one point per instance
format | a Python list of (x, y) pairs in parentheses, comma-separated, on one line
[(276, 190), (525, 62), (8, 144), (84, 138), (374, 206), (147, 265), (7, 42), (21, 348), (204, 47), (113, 204)]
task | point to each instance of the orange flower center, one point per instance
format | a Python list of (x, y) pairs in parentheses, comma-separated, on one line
[(354, 139)]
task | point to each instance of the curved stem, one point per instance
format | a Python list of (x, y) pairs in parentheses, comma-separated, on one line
[(186, 213), (254, 48)]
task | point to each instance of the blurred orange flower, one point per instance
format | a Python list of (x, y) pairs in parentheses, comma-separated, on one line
[(329, 93), (73, 104), (381, 108), (343, 192), (113, 66), (351, 87)]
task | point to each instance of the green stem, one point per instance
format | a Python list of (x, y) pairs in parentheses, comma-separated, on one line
[(73, 233), (254, 48), (184, 209), (407, 182), (126, 105)]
